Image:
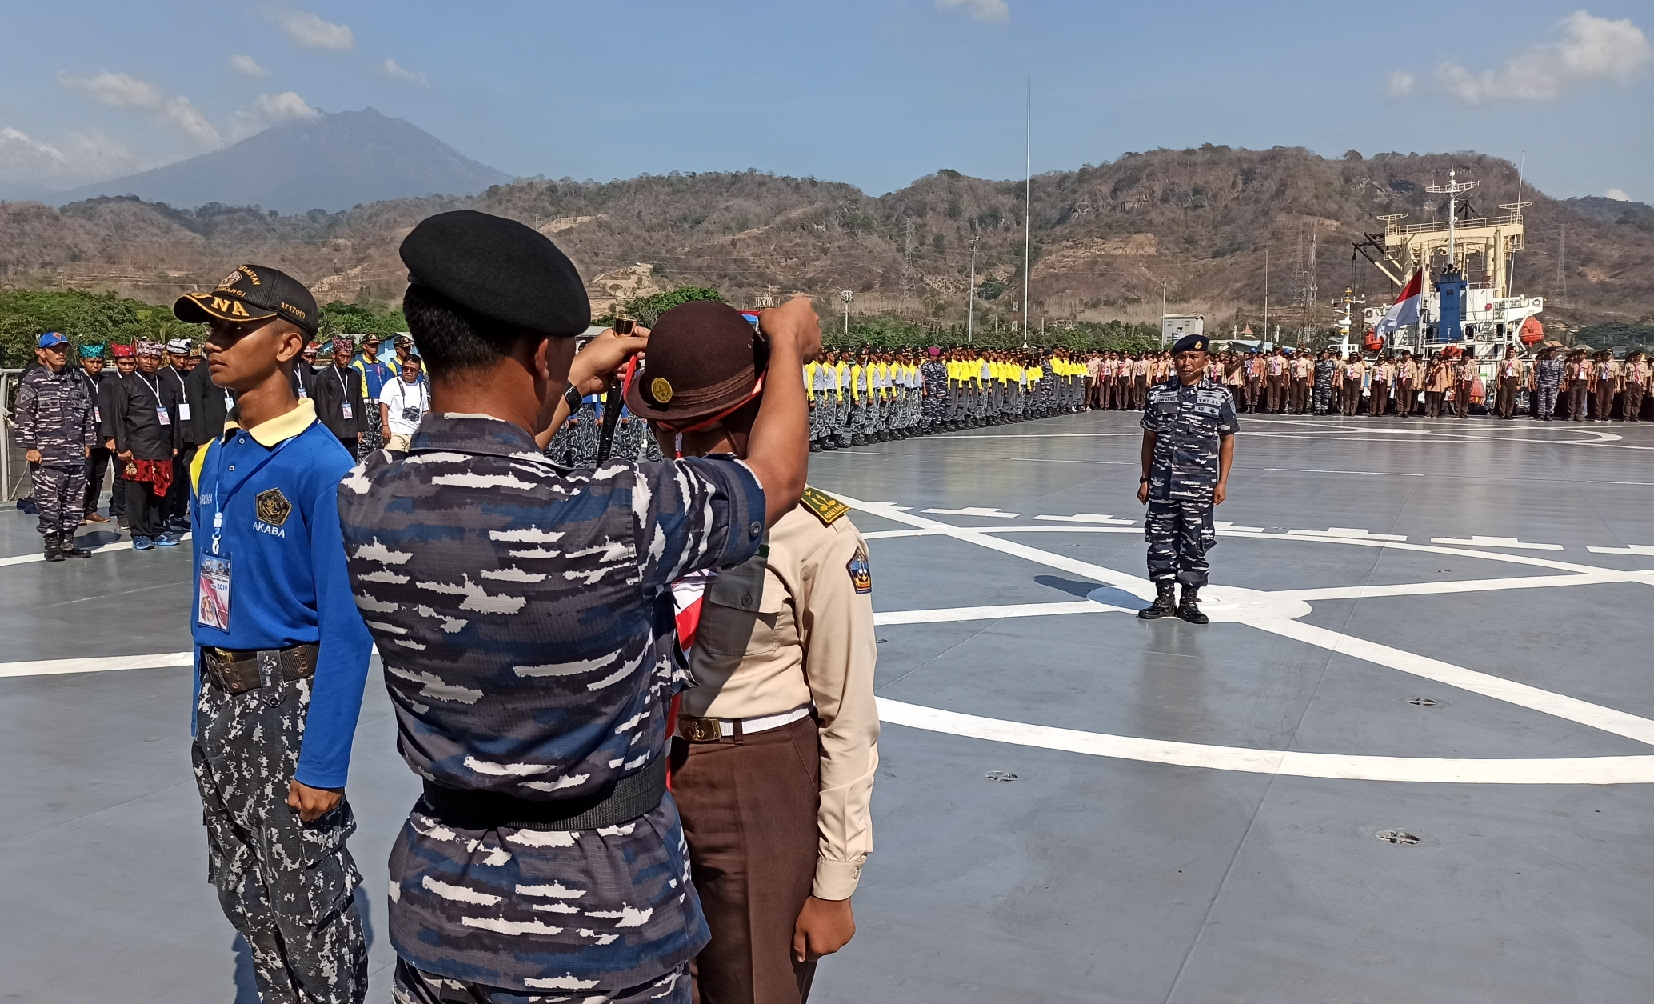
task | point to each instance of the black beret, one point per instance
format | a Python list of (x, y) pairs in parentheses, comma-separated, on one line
[(1190, 343), (498, 269)]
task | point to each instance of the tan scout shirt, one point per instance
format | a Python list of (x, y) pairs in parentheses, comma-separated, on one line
[(780, 632)]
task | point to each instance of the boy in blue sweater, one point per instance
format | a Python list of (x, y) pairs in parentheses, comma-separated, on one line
[(282, 651)]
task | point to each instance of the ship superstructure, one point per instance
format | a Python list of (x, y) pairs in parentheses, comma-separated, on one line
[(1468, 260)]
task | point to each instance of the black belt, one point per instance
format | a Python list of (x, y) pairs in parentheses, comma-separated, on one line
[(630, 798), (241, 670)]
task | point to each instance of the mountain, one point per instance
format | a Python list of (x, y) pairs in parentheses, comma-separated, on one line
[(1108, 240), (331, 162), (1632, 214)]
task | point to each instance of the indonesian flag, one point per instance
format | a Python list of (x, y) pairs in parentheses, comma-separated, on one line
[(1405, 310)]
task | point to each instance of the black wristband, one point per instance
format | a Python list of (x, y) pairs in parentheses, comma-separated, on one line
[(572, 395), (1143, 480)]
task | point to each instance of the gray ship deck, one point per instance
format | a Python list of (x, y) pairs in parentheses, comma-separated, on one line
[(1438, 628)]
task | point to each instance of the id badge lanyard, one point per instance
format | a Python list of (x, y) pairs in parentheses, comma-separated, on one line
[(221, 500)]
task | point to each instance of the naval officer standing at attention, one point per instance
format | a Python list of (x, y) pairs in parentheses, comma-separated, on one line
[(1188, 444)]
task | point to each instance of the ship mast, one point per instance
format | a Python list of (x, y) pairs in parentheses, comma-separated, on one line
[(1452, 190)]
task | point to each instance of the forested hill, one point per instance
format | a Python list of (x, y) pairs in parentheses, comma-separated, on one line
[(1106, 239)]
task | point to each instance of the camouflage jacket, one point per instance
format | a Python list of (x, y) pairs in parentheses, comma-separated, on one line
[(1189, 424), (54, 415), (523, 615)]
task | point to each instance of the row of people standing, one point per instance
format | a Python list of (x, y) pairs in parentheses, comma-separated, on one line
[(872, 397)]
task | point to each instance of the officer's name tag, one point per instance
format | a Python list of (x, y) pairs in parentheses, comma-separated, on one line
[(214, 608), (163, 416), (346, 410), (183, 411)]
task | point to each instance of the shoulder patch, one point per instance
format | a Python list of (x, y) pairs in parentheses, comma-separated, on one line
[(861, 570), (823, 506)]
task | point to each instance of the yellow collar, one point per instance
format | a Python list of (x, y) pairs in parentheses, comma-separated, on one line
[(280, 428)]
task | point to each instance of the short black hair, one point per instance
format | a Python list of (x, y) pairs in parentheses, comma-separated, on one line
[(454, 339)]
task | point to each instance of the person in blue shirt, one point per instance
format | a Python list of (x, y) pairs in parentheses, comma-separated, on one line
[(374, 372), (282, 653)]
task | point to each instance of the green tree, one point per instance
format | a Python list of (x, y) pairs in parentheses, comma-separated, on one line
[(340, 318), (84, 318), (647, 309)]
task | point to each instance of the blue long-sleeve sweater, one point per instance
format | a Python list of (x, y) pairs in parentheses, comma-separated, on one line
[(277, 488)]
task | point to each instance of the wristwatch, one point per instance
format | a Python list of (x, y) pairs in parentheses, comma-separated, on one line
[(571, 394)]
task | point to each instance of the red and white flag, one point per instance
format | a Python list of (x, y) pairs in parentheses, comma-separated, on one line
[(1405, 311)]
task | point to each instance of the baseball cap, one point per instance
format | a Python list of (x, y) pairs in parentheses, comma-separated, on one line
[(52, 339), (252, 293)]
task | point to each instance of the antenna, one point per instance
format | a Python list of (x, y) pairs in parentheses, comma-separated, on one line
[(1452, 190), (1027, 201), (1390, 219)]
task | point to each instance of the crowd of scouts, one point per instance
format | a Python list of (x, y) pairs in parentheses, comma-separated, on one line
[(1555, 382)]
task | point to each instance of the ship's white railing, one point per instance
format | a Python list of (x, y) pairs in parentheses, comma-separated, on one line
[(1425, 228)]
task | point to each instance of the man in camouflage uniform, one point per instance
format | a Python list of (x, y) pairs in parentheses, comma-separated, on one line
[(1547, 381), (524, 616), (933, 377), (56, 430), (1189, 429)]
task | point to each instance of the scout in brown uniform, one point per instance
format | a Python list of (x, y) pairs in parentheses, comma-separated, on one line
[(1407, 371), (1636, 385), (1383, 372), (1465, 373), (1608, 384), (777, 743)]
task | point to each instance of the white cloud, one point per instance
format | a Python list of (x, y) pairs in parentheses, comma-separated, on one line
[(1400, 84), (977, 10), (1591, 50), (268, 110), (248, 66), (1617, 195), (124, 91), (311, 31), (395, 72), (81, 158)]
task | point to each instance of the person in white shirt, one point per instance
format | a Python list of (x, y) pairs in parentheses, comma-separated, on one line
[(403, 401)]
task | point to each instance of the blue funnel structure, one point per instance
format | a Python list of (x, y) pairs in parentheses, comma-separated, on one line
[(1450, 295)]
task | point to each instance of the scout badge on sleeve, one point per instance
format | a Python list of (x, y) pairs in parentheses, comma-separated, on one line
[(861, 570)]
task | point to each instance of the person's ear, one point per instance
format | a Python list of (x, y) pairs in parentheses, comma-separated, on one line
[(289, 343)]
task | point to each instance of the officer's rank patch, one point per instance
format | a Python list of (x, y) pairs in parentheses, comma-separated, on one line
[(272, 507), (823, 506), (861, 570)]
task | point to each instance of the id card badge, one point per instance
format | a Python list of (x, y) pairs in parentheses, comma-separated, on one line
[(301, 390), (163, 416), (183, 411), (97, 415), (346, 409), (214, 609)]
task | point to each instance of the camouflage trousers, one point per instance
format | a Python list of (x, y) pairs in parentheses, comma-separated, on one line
[(1179, 532), (374, 437), (415, 986), (59, 495), (284, 884)]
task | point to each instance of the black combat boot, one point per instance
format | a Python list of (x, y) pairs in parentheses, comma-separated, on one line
[(54, 550), (69, 549), (1165, 602), (1187, 609)]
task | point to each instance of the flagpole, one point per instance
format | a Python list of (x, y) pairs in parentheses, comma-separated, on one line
[(1027, 200)]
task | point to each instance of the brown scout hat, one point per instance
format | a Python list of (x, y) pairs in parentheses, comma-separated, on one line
[(704, 360)]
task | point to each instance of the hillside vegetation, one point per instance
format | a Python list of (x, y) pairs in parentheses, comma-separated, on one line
[(1108, 240)]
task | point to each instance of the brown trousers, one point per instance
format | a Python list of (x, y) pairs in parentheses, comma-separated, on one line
[(748, 805), (1633, 402), (1605, 400), (1508, 387)]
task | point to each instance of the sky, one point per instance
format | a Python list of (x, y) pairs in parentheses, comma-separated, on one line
[(876, 93)]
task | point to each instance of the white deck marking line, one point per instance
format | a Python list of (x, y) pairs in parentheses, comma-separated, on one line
[(986, 512), (57, 667), (1259, 602), (951, 615), (1477, 540), (1088, 517), (1325, 470), (1290, 763), (1627, 549), (1459, 586), (119, 545)]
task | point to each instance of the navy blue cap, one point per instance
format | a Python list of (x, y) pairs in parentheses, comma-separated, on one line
[(1191, 343)]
